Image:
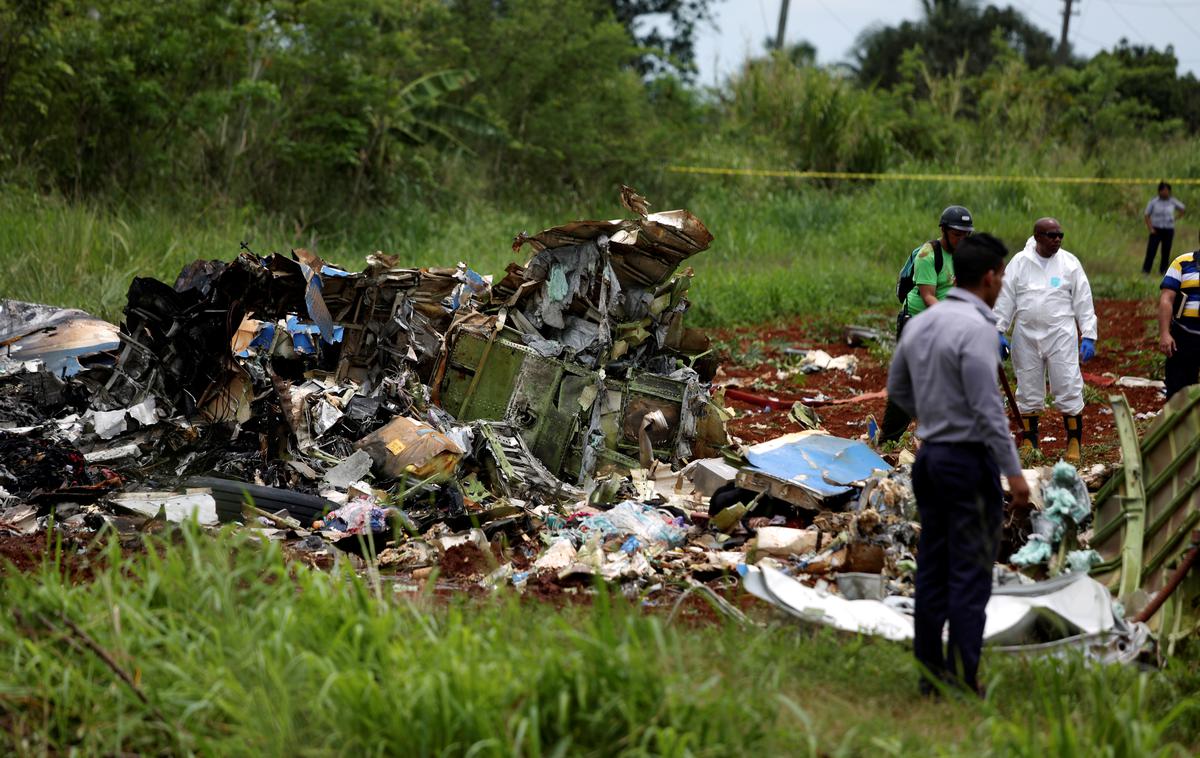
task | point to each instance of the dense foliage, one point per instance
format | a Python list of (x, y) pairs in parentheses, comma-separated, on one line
[(955, 36), (321, 105)]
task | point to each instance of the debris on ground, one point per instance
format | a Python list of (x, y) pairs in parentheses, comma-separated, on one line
[(554, 428), (1072, 613)]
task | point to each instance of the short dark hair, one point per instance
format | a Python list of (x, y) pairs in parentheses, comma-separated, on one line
[(977, 255), (1163, 186)]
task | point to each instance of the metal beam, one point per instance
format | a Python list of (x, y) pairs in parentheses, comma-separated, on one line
[(1133, 502)]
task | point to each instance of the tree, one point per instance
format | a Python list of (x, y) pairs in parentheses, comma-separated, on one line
[(20, 22), (1149, 76), (948, 31), (672, 52)]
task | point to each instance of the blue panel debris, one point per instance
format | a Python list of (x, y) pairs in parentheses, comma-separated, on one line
[(822, 463), (473, 286), (265, 337), (262, 341), (306, 335)]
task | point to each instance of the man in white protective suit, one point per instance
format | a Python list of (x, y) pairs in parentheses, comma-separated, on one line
[(1047, 302)]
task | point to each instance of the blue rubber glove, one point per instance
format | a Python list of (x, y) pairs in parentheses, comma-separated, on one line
[(1004, 349), (1087, 349)]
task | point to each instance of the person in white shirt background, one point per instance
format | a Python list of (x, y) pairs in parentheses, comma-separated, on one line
[(1160, 215), (1047, 302)]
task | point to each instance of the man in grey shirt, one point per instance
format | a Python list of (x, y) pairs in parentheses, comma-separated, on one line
[(1161, 212), (945, 373)]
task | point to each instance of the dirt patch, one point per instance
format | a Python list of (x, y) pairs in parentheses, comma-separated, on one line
[(78, 559), (466, 561), (22, 552), (760, 362)]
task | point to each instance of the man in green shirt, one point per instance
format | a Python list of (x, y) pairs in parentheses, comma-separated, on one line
[(933, 277)]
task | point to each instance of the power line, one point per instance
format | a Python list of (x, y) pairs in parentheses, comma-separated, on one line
[(1127, 22), (1079, 26), (1182, 20), (836, 17)]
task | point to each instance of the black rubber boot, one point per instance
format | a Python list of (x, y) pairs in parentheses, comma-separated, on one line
[(1029, 423), (1074, 427)]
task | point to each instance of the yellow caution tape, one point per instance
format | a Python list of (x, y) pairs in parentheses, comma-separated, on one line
[(862, 175)]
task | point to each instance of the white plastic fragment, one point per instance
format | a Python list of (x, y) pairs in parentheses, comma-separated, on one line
[(108, 424), (113, 453)]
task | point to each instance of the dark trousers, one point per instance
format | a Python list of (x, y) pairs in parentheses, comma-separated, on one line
[(961, 505), (1164, 236), (1183, 368), (895, 419)]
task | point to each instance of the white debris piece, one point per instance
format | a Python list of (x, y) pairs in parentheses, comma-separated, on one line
[(1078, 608), (819, 360), (113, 453), (784, 541), (18, 518), (475, 537), (1135, 382), (557, 557), (179, 507), (710, 474), (144, 412), (108, 424)]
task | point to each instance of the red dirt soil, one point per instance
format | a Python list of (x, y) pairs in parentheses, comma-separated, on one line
[(1127, 347)]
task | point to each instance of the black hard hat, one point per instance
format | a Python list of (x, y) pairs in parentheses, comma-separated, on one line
[(957, 217)]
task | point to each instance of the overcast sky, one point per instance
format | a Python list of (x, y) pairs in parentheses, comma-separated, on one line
[(832, 26)]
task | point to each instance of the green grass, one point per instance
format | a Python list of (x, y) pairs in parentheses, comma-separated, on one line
[(782, 247), (237, 652)]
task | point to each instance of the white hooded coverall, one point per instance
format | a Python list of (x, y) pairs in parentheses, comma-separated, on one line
[(1042, 300)]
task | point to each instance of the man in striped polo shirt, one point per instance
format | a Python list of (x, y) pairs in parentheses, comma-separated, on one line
[(1179, 322)]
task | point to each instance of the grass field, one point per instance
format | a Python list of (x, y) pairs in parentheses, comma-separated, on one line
[(229, 650), (782, 247), (236, 652)]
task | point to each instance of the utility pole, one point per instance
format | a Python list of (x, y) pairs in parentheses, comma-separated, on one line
[(783, 11), (1062, 42)]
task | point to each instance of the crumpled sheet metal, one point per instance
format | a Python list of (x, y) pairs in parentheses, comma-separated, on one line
[(1072, 611), (569, 302), (181, 341), (58, 337), (572, 419), (550, 292), (645, 251), (273, 356), (519, 472)]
